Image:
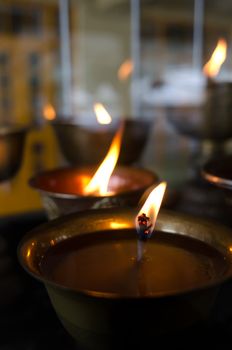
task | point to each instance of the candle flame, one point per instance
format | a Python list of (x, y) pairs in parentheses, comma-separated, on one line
[(125, 70), (146, 218), (103, 117), (212, 67), (99, 182), (49, 112)]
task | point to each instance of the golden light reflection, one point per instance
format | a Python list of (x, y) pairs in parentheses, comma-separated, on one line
[(119, 225), (99, 182), (152, 204), (103, 117), (230, 249), (212, 67), (49, 112), (125, 70), (28, 252)]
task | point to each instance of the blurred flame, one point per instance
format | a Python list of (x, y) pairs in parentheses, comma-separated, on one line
[(103, 117), (212, 67), (49, 112), (125, 70), (152, 205), (99, 182)]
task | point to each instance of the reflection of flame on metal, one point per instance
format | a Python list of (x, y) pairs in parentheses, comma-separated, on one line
[(230, 249), (146, 218), (212, 67), (99, 182), (125, 70), (49, 112), (116, 225), (28, 252), (103, 117)]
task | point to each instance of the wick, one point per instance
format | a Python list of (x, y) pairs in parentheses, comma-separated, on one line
[(140, 245), (144, 229), (143, 286)]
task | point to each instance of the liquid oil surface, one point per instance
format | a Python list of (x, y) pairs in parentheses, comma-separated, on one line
[(106, 262)]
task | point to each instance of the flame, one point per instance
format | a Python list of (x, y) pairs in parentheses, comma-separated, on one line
[(103, 117), (152, 205), (212, 67), (125, 69), (99, 182), (49, 112)]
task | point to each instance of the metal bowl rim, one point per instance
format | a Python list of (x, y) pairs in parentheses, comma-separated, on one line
[(13, 129), (217, 180), (115, 296), (61, 120), (61, 195)]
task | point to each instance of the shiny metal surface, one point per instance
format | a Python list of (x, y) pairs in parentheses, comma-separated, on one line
[(97, 320), (82, 146), (61, 192), (12, 140), (219, 172)]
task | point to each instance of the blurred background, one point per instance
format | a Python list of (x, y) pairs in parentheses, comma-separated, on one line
[(140, 59)]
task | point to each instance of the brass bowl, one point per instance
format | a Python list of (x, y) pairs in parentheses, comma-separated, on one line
[(12, 139), (105, 321), (211, 120), (85, 146), (61, 193), (218, 172)]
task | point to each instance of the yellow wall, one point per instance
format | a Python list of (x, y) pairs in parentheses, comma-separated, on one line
[(41, 151), (15, 195)]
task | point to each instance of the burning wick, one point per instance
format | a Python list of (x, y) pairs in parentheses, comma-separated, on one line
[(146, 218), (144, 230)]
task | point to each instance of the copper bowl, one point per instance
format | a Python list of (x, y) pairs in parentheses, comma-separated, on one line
[(105, 321), (79, 144), (12, 139), (61, 189)]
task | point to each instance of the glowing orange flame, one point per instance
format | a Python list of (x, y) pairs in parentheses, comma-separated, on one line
[(49, 112), (125, 70), (100, 180), (103, 117), (152, 205), (212, 67)]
